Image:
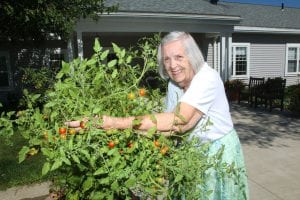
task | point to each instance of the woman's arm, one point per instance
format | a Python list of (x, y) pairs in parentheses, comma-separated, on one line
[(181, 120)]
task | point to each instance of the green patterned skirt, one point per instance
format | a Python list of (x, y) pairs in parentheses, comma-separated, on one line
[(226, 184)]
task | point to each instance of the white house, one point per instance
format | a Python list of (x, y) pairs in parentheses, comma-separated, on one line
[(238, 40)]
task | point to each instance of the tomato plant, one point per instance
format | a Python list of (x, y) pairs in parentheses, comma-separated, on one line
[(107, 164)]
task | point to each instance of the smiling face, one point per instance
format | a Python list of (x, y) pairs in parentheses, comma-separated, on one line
[(177, 64)]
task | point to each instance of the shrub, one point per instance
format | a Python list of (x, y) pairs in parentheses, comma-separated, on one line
[(293, 98), (233, 88)]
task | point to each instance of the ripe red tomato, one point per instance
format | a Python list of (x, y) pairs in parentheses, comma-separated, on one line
[(82, 125), (131, 96), (156, 143), (111, 144), (142, 92), (130, 145), (62, 130)]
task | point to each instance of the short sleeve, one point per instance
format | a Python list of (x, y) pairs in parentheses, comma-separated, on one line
[(202, 92)]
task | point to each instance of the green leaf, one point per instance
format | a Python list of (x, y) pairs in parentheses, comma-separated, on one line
[(104, 55), (56, 164), (151, 131), (128, 59), (73, 195), (46, 168), (116, 48), (47, 152), (87, 184), (112, 151), (114, 74), (97, 46), (112, 63), (115, 186), (73, 93), (85, 153), (53, 115), (178, 178), (96, 110), (75, 158), (130, 182), (91, 62), (22, 153), (35, 97), (100, 171), (66, 160)]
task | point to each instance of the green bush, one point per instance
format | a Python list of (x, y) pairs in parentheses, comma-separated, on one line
[(293, 98), (233, 88)]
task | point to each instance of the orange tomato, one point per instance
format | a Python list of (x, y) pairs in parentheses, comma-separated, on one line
[(62, 130), (164, 150), (111, 144), (142, 92), (156, 143)]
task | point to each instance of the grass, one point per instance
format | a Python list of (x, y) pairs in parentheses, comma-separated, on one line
[(13, 173)]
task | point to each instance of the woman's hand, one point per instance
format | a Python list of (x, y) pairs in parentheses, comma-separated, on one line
[(81, 124)]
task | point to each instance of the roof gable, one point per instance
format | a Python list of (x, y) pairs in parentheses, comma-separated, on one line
[(251, 14)]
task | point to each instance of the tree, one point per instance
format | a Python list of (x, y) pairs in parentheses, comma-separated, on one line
[(26, 20)]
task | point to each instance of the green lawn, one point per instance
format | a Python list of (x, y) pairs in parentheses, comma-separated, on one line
[(11, 172)]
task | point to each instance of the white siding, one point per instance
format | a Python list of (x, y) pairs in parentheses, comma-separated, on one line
[(268, 54), (267, 60)]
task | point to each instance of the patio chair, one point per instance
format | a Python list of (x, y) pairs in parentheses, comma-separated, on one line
[(274, 93), (252, 90)]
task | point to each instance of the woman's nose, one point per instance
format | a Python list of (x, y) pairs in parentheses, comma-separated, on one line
[(172, 63)]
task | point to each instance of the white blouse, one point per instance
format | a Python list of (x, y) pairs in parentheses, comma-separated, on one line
[(206, 93)]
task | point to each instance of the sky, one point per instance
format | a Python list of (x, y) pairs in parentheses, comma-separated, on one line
[(287, 3)]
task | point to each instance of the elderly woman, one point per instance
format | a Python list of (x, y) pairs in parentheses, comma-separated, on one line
[(196, 102)]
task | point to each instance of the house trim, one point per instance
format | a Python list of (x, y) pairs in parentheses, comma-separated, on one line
[(253, 29), (297, 73), (234, 19)]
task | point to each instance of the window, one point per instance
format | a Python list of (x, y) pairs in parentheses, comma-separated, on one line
[(240, 59), (292, 59), (4, 70), (55, 57)]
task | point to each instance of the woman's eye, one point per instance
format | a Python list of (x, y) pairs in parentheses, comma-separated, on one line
[(178, 57)]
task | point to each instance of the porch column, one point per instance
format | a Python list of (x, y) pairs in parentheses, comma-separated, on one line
[(70, 50), (80, 44), (225, 55)]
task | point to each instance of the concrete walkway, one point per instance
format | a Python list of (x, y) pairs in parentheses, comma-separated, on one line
[(271, 145)]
